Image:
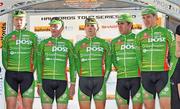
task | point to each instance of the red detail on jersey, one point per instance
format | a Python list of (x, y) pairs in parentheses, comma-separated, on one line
[(119, 42), (80, 73), (13, 37), (146, 36), (139, 72), (103, 65), (67, 68), (49, 43), (166, 65), (31, 61), (84, 45)]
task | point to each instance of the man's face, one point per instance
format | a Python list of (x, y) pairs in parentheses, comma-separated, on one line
[(149, 20), (124, 27), (90, 29), (55, 29), (19, 22)]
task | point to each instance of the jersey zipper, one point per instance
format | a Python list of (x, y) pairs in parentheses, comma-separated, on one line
[(125, 57), (151, 47), (90, 58), (55, 60), (19, 57)]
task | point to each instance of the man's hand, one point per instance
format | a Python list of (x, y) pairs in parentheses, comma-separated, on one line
[(38, 89), (178, 86), (71, 91)]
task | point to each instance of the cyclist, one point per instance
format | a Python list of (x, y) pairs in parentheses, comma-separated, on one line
[(53, 55), (175, 79), (19, 61), (126, 64), (154, 43), (94, 65)]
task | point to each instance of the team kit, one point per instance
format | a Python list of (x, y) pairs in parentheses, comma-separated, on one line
[(146, 64)]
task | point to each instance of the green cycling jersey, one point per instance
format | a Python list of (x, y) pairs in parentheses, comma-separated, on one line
[(154, 46), (93, 57), (124, 56), (19, 51), (53, 56)]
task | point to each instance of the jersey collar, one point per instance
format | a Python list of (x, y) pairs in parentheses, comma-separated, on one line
[(91, 38), (153, 27), (127, 35)]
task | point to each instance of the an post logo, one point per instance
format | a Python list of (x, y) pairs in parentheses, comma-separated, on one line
[(28, 42), (158, 39), (62, 49), (89, 49), (127, 46)]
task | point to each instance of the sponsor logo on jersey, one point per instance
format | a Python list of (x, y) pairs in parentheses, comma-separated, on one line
[(96, 43), (157, 39), (89, 49), (25, 35), (146, 36), (28, 42), (62, 49), (119, 42), (61, 43), (13, 37), (49, 43), (157, 34), (127, 46), (84, 45)]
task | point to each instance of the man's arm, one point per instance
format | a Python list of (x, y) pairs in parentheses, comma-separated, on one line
[(72, 66), (4, 52), (178, 41), (108, 63), (40, 62), (77, 59), (172, 49), (138, 51), (35, 47)]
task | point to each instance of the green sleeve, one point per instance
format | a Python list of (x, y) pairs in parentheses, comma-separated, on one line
[(172, 48), (4, 52), (39, 62), (108, 63), (114, 61), (72, 66), (35, 52), (77, 59), (137, 44)]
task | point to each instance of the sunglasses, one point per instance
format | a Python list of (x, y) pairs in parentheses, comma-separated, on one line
[(90, 20), (57, 18)]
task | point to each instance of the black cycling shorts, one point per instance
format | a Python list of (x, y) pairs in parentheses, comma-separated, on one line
[(128, 86)]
